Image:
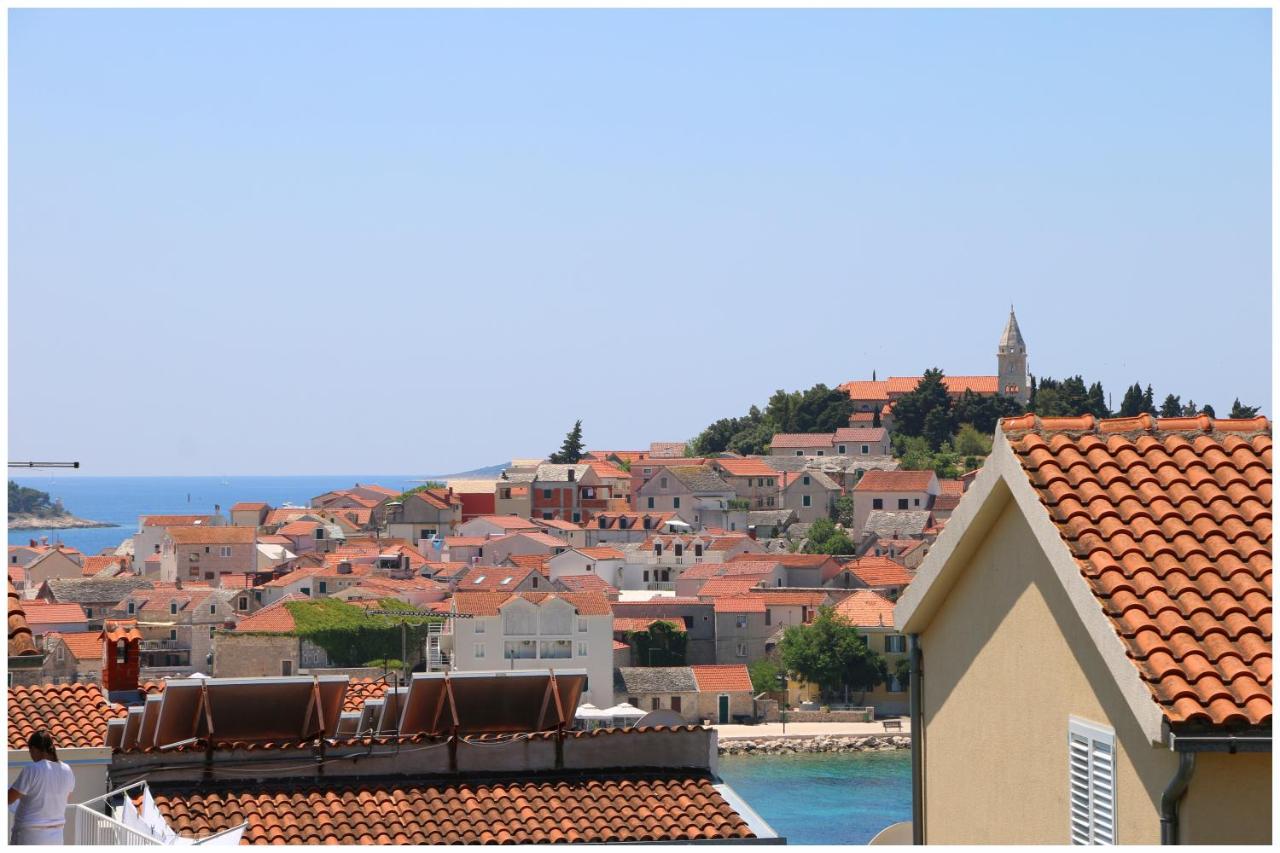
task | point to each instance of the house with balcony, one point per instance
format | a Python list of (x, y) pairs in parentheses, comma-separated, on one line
[(623, 527), (194, 553), (177, 623), (570, 492), (697, 494), (751, 480), (495, 631), (644, 470), (148, 538)]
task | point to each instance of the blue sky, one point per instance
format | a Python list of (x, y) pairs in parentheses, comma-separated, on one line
[(423, 241)]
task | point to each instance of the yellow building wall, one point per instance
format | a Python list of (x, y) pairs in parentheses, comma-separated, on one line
[(1006, 661)]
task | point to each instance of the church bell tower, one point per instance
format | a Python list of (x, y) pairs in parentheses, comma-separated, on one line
[(1012, 362)]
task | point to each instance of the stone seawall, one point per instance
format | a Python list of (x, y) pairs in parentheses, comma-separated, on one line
[(791, 744)]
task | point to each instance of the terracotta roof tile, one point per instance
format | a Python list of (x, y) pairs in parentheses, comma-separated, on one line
[(739, 604), (177, 520), (248, 506), (587, 583), (897, 385), (274, 618), (104, 564), (722, 677), (495, 578), (801, 440), (584, 808), (853, 434), (48, 613), (20, 642), (731, 585), (895, 481), (602, 553), (622, 624), (75, 714), (880, 571), (867, 609), (219, 535), (488, 603), (746, 468), (83, 645), (1170, 522)]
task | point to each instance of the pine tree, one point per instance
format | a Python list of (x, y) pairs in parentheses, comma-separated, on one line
[(1206, 409), (1172, 407), (1097, 401), (1131, 405), (875, 417), (1190, 410), (1239, 410), (571, 451), (912, 408), (1149, 401)]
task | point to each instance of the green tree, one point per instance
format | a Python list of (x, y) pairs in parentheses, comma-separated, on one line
[(764, 675), (825, 538), (571, 451), (831, 653), (937, 428), (1208, 410), (969, 441), (1149, 401), (1131, 405), (1097, 401), (983, 411), (661, 644), (1171, 407), (625, 465), (913, 408), (902, 671), (842, 510), (1239, 410)]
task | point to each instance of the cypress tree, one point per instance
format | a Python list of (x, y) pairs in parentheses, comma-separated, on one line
[(571, 451)]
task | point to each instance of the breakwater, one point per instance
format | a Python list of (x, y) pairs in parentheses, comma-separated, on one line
[(792, 744)]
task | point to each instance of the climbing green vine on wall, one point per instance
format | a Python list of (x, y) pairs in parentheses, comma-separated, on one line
[(351, 636)]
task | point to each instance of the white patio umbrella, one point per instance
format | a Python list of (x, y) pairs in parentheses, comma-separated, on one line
[(625, 712)]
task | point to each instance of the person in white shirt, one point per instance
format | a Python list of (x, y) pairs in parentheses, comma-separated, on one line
[(41, 792)]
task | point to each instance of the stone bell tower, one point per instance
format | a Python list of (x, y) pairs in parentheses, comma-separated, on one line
[(1012, 362)]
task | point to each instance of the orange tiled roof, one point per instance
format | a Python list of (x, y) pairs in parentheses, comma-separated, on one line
[(488, 603), (20, 642), (75, 714), (588, 808), (739, 603), (747, 467), (618, 646), (722, 678), (898, 385), (732, 568), (495, 578), (602, 553), (880, 571), (951, 487), (219, 535), (894, 481), (275, 617), (803, 561), (730, 585), (246, 506), (49, 613), (792, 597), (1170, 522), (855, 434), (867, 608), (507, 522), (586, 583), (801, 439), (83, 645), (176, 520), (622, 624)]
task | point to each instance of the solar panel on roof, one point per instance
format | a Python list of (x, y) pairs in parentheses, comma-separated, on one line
[(115, 732), (249, 709), (150, 716), (348, 723), (132, 722), (491, 702), (392, 703), (370, 714)]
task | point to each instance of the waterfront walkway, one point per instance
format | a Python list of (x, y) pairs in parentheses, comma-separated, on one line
[(736, 732)]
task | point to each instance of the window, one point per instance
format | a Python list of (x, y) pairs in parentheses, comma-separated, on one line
[(866, 448), (895, 644), (768, 616), (131, 608), (742, 650), (821, 453), (286, 667), (917, 501), (582, 625), (534, 584), (841, 450), (206, 549), (877, 503), (427, 533), (657, 549), (646, 521), (799, 453), (244, 602), (324, 587), (805, 480), (582, 650), (520, 650), (742, 621), (675, 503), (556, 649), (213, 609), (769, 501), (1092, 782), (902, 503), (479, 651), (173, 608), (479, 623), (679, 550), (675, 703), (577, 516), (225, 550), (656, 703), (88, 612), (506, 494), (173, 635), (697, 549), (807, 500), (546, 516), (895, 686), (646, 575), (662, 482), (546, 493)]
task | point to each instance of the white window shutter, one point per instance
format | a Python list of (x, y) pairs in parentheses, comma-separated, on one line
[(1092, 778)]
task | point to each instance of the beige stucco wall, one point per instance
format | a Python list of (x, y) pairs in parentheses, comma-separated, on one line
[(1229, 800), (1006, 662)]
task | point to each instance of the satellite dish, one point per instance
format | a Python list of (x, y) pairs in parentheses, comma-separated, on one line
[(662, 717)]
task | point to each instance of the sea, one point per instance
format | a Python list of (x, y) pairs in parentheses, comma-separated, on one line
[(824, 797), (120, 500)]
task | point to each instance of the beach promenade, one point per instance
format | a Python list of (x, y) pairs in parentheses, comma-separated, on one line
[(771, 730)]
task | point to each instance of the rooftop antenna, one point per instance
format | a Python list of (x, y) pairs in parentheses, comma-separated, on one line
[(44, 464)]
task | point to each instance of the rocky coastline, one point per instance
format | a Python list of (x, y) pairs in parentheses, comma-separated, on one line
[(793, 744), (57, 522)]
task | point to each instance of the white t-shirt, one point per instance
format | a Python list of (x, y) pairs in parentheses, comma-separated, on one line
[(45, 787)]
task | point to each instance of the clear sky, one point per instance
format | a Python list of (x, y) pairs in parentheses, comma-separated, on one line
[(424, 241)]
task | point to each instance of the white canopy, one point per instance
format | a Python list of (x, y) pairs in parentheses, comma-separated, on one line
[(587, 711), (624, 710)]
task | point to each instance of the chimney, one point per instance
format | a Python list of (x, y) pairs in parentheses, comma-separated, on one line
[(120, 655)]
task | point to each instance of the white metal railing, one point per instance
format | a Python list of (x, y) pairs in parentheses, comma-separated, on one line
[(164, 645), (95, 828)]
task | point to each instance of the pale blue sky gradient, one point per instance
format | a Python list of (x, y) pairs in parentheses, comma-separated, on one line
[(423, 241)]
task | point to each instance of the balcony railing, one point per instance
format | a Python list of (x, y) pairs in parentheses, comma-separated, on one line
[(164, 646), (664, 586), (94, 828)]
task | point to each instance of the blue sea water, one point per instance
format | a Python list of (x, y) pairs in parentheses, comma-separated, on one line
[(824, 798), (122, 499)]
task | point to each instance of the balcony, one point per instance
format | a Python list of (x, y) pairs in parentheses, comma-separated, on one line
[(164, 646), (660, 586)]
